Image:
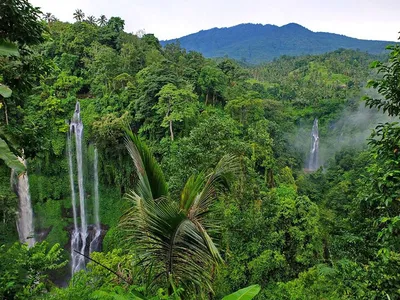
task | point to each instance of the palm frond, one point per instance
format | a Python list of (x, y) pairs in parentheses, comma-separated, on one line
[(192, 188), (171, 238), (165, 235), (151, 178), (218, 180)]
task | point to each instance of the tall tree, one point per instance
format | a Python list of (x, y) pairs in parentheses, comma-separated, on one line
[(91, 20), (49, 18), (212, 82), (116, 24), (102, 20), (176, 105), (384, 181), (79, 15), (20, 25)]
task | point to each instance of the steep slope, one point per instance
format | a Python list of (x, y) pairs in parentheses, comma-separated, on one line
[(255, 43)]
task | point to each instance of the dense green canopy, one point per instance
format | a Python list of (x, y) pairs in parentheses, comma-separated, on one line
[(206, 194)]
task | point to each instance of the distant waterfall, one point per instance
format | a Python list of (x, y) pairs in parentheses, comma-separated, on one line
[(25, 213), (80, 234), (313, 162)]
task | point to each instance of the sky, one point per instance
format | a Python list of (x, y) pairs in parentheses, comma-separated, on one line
[(168, 19)]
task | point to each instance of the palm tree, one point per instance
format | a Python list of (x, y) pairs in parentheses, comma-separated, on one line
[(79, 15), (91, 20), (172, 237), (49, 18), (102, 21)]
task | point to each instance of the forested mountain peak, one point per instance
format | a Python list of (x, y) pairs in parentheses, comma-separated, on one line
[(294, 27), (255, 43)]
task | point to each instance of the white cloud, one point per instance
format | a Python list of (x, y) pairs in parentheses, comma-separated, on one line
[(174, 18)]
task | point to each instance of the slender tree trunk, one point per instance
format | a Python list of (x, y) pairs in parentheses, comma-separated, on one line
[(206, 97), (327, 255), (5, 111), (170, 124), (270, 178), (170, 130)]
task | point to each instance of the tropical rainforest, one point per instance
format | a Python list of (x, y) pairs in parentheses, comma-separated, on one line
[(190, 177)]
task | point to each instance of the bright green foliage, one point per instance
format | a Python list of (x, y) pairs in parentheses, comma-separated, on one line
[(382, 193), (176, 105), (212, 83), (247, 293), (8, 206), (246, 110), (389, 85), (384, 179), (8, 49), (9, 158), (48, 219), (5, 91), (297, 235), (24, 271)]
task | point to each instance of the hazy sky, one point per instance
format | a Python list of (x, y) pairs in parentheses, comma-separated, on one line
[(365, 19)]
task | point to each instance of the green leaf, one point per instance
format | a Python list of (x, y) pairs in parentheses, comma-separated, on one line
[(9, 158), (151, 177), (244, 294), (5, 91), (8, 49)]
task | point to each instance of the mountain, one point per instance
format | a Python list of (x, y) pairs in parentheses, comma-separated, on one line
[(255, 43)]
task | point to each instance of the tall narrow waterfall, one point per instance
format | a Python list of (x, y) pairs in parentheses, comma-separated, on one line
[(75, 238), (81, 240), (25, 213), (313, 162), (94, 245), (78, 241)]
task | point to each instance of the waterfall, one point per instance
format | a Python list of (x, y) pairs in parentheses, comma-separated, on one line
[(80, 237), (75, 238), (25, 213), (94, 245), (313, 162)]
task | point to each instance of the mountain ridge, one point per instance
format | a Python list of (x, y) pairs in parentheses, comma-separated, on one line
[(256, 43)]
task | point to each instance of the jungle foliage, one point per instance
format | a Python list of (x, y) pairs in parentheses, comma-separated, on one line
[(202, 186)]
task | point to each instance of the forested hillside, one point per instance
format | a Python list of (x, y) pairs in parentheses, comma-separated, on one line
[(157, 173), (256, 43)]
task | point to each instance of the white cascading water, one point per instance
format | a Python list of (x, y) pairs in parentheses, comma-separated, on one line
[(75, 238), (313, 162), (94, 244), (80, 234), (25, 213)]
